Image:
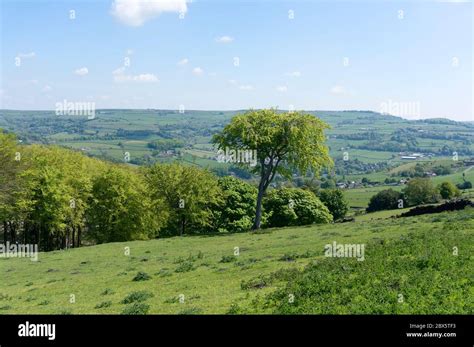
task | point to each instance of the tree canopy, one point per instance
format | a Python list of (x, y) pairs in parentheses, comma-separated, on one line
[(284, 142)]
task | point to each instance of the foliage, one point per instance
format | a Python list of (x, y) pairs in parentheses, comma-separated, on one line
[(234, 213), (420, 191), (120, 208), (447, 190), (294, 206), (189, 194), (416, 274), (335, 201), (284, 142), (387, 199)]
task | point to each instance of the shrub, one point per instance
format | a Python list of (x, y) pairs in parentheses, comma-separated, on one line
[(138, 296), (228, 259), (464, 185), (235, 213), (103, 304), (447, 190), (136, 309), (141, 276), (335, 201), (420, 191), (384, 200), (294, 206), (185, 266)]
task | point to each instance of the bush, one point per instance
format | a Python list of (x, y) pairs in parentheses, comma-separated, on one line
[(141, 276), (384, 200), (103, 304), (294, 206), (420, 191), (447, 190), (235, 213), (136, 308), (464, 185), (137, 297), (335, 201)]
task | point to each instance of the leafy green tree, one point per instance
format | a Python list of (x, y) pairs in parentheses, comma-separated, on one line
[(387, 199), (420, 191), (284, 142), (189, 193), (328, 184), (448, 190), (234, 214), (294, 206), (335, 201), (120, 208)]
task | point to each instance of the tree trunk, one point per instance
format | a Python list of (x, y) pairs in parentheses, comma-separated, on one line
[(258, 212), (5, 230), (73, 236), (183, 222), (79, 231)]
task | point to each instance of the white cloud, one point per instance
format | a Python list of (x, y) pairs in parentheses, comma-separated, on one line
[(129, 51), (294, 74), (82, 71), (224, 39), (119, 71), (46, 89), (233, 82), (282, 89), (26, 55), (198, 71), (137, 12), (338, 90), (246, 87), (148, 77), (183, 62)]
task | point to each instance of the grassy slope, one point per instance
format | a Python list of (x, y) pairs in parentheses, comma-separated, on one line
[(211, 287)]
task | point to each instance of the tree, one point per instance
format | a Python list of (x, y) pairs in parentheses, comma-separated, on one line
[(189, 194), (387, 199), (120, 208), (294, 206), (335, 201), (283, 142), (448, 190), (420, 191), (234, 213)]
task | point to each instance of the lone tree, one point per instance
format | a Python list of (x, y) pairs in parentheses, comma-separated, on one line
[(284, 142)]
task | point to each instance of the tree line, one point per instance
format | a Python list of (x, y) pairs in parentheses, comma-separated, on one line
[(59, 198)]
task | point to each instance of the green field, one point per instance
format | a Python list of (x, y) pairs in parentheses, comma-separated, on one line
[(213, 280)]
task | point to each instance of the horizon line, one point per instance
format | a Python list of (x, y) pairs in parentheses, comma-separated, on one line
[(244, 109)]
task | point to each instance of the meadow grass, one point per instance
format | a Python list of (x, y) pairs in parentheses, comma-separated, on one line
[(190, 274)]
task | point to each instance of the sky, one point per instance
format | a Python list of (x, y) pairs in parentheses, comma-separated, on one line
[(412, 59)]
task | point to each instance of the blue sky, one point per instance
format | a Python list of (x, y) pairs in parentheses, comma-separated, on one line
[(329, 56)]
